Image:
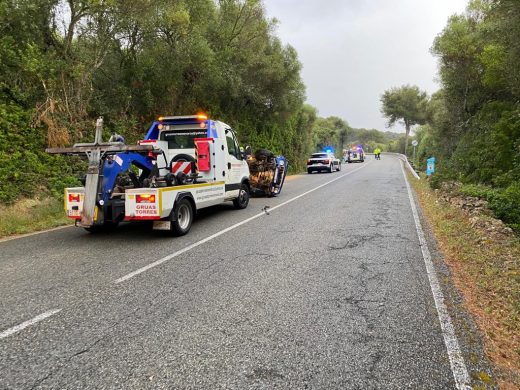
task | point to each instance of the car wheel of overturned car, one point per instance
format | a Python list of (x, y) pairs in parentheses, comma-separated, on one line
[(181, 218), (243, 197), (263, 154)]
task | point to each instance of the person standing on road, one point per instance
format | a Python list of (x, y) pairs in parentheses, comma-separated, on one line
[(377, 153)]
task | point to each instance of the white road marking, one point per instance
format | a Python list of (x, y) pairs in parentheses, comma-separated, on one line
[(18, 236), (203, 241), (458, 367), (23, 325)]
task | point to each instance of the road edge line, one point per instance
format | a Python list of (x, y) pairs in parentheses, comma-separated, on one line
[(25, 324), (232, 227), (24, 235), (458, 366)]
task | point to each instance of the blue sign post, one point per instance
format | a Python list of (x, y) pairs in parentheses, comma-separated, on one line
[(430, 166)]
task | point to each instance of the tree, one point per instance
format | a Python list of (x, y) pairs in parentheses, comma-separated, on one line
[(406, 104), (331, 131), (63, 63)]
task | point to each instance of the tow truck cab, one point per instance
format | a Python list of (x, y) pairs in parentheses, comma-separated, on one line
[(182, 139)]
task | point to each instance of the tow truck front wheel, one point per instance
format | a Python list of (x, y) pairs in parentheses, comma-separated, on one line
[(243, 197), (183, 218)]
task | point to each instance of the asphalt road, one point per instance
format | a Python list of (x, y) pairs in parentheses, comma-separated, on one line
[(328, 291)]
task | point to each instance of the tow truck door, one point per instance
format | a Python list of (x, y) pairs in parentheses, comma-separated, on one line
[(234, 164)]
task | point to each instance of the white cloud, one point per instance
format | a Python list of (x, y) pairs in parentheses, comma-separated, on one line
[(353, 50)]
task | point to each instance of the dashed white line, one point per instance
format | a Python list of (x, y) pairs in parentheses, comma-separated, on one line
[(458, 367), (203, 241), (23, 325)]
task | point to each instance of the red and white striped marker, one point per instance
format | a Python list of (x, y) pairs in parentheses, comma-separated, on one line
[(181, 166)]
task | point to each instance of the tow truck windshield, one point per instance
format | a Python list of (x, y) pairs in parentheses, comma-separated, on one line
[(183, 139)]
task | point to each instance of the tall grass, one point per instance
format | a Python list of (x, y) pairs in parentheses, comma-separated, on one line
[(30, 215)]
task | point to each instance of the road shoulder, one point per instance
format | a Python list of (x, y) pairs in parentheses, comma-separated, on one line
[(458, 262)]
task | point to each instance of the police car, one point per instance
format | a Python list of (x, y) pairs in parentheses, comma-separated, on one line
[(323, 161)]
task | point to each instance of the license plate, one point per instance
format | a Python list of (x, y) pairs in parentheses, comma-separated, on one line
[(73, 213)]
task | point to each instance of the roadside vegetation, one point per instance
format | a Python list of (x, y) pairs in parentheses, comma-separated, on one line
[(472, 127), (484, 257), (29, 215), (472, 124), (65, 63)]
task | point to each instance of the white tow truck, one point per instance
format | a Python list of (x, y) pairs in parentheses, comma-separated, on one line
[(184, 163)]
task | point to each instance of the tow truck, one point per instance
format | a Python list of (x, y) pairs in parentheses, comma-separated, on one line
[(183, 164)]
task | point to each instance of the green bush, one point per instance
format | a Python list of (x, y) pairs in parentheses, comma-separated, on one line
[(477, 191), (26, 171), (505, 202), (440, 176), (506, 205)]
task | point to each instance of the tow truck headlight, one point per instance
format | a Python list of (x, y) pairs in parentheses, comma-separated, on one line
[(74, 198), (147, 198)]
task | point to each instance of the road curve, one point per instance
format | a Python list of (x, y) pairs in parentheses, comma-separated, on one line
[(327, 291)]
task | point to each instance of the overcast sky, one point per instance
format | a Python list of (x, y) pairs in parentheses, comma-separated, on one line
[(353, 50)]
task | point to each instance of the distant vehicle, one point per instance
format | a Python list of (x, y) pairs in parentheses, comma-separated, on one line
[(323, 161), (355, 154)]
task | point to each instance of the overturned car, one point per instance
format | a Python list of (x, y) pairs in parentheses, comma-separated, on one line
[(267, 172)]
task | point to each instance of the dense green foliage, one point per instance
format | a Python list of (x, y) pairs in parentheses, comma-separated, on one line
[(473, 122), (25, 169), (64, 63)]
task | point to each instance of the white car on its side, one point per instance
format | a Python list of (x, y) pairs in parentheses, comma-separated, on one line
[(323, 161)]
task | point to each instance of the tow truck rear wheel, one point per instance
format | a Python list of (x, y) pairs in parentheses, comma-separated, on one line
[(243, 197), (182, 218)]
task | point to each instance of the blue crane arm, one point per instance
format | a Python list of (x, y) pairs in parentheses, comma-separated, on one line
[(121, 163)]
